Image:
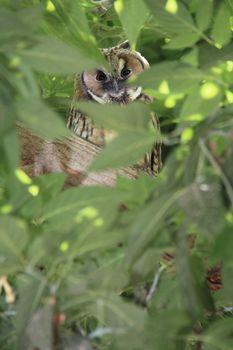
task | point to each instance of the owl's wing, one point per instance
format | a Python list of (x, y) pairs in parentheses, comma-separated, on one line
[(84, 127), (152, 160), (78, 122)]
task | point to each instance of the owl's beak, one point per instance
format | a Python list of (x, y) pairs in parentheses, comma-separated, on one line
[(115, 86)]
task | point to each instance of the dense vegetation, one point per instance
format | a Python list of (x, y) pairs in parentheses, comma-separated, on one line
[(124, 267)]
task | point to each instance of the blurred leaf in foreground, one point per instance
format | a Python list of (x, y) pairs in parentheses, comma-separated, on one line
[(52, 55)]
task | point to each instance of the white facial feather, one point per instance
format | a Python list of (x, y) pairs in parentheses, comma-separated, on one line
[(135, 92), (97, 98), (144, 60), (121, 63)]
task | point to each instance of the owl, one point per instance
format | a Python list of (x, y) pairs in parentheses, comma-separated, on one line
[(103, 87)]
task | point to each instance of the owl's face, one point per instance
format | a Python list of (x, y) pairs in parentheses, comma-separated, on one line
[(110, 86)]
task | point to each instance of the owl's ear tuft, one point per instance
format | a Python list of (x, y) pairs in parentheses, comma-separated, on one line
[(125, 45)]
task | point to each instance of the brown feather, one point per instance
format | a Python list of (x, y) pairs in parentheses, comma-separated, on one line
[(88, 88)]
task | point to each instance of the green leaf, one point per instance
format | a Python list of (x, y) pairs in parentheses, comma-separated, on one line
[(11, 147), (131, 123), (139, 191), (95, 249), (52, 55), (40, 119), (153, 331), (147, 223), (222, 246), (191, 57), (225, 294), (172, 16), (192, 280), (145, 266), (112, 277), (42, 320), (204, 14), (50, 184), (117, 313), (210, 56), (178, 77), (183, 40), (72, 26), (217, 334), (201, 203), (201, 101), (73, 200), (14, 237), (14, 25), (30, 290), (31, 16), (7, 119), (131, 118), (124, 150), (132, 17), (221, 30), (168, 293)]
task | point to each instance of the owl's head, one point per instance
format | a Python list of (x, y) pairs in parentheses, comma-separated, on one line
[(105, 86)]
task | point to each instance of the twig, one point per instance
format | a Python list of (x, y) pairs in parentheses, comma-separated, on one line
[(4, 285), (100, 332), (154, 285)]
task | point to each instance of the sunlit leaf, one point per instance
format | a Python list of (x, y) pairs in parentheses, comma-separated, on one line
[(179, 77), (173, 22), (73, 200), (204, 14), (73, 27), (183, 40), (221, 31), (132, 17), (202, 100)]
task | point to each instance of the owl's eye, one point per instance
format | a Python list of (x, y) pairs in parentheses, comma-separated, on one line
[(101, 76), (125, 72)]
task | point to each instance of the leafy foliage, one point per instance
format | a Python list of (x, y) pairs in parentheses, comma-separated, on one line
[(81, 263)]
